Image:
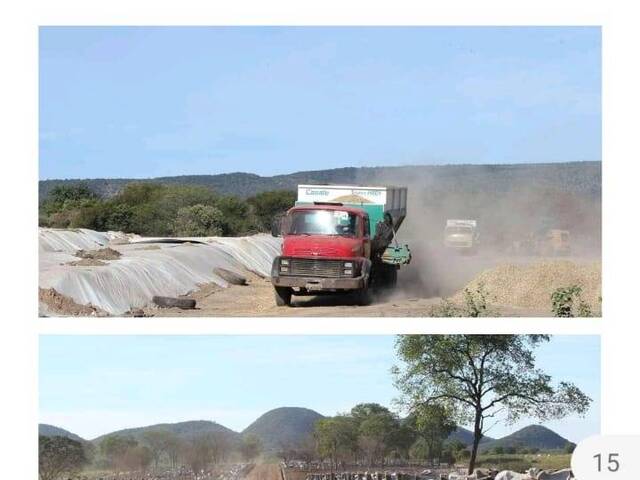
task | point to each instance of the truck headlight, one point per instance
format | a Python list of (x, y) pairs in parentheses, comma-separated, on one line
[(284, 261), (284, 269), (348, 264), (348, 272)]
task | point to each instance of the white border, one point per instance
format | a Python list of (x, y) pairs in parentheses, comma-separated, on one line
[(620, 389)]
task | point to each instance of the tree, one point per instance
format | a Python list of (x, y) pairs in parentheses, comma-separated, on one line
[(432, 424), (137, 458), (62, 195), (375, 434), (198, 221), (267, 205), (157, 443), (58, 456), (173, 446), (477, 377), (220, 446), (235, 214), (198, 452), (115, 448), (336, 437), (379, 432), (251, 447)]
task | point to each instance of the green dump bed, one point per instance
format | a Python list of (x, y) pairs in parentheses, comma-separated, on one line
[(376, 201)]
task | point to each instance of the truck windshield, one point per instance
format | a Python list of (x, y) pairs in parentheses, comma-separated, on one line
[(322, 222), (458, 230)]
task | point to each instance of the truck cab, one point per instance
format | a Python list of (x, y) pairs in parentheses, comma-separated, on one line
[(330, 246), (461, 235)]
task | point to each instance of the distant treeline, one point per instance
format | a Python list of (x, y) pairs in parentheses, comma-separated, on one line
[(571, 177), (155, 209)]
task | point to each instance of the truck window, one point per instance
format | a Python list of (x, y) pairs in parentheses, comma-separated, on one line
[(322, 222), (367, 230), (457, 230)]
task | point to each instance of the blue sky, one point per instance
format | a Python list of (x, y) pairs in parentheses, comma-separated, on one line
[(92, 385), (144, 102)]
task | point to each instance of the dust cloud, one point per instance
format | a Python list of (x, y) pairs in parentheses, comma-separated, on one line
[(508, 203)]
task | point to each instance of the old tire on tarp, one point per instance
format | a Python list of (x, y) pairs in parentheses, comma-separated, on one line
[(231, 277), (171, 302)]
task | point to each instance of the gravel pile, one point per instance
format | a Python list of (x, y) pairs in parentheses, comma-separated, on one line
[(531, 285), (100, 254), (54, 303)]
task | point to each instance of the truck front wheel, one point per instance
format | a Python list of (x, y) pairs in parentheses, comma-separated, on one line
[(283, 296), (364, 296)]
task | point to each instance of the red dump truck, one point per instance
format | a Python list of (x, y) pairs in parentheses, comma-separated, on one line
[(340, 239)]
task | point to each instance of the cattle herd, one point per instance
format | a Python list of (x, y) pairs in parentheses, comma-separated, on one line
[(478, 474), (233, 472)]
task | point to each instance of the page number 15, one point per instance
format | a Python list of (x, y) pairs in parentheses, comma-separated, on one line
[(613, 464)]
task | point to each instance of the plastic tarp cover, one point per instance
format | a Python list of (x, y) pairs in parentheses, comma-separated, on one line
[(145, 269)]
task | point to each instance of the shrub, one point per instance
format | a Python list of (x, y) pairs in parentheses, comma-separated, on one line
[(475, 305), (476, 301), (198, 221), (567, 302)]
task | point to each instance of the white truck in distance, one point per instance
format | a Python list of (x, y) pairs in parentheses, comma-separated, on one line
[(461, 235)]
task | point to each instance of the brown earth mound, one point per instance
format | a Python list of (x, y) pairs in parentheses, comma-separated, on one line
[(87, 262), (65, 306), (101, 254), (531, 285)]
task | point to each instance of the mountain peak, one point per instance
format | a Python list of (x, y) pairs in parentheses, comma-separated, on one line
[(531, 436), (284, 426)]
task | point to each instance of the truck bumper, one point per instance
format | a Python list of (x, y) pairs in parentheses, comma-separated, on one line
[(317, 284)]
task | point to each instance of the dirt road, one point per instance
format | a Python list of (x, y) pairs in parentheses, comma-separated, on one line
[(264, 472), (257, 299)]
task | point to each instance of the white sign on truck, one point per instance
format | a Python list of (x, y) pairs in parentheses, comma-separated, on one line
[(462, 223), (342, 194)]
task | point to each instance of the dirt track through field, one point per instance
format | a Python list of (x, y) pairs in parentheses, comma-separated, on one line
[(264, 472)]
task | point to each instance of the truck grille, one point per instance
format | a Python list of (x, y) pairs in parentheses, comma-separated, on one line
[(308, 267)]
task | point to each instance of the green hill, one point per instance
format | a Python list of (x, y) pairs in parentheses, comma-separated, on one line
[(573, 177), (508, 201), (46, 430), (283, 427), (182, 429), (533, 436), (465, 436)]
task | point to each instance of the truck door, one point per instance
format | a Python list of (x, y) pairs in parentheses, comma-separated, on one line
[(366, 240)]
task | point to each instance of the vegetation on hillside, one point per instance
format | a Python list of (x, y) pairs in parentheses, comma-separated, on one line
[(59, 456), (507, 200), (154, 209), (573, 177)]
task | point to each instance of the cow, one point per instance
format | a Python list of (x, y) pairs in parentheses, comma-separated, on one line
[(564, 474), (530, 474), (482, 474)]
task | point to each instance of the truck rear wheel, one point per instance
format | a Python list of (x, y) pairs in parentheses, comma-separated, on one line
[(391, 278), (283, 296), (386, 277)]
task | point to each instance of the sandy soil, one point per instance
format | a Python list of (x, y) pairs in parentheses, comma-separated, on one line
[(515, 294), (257, 299)]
